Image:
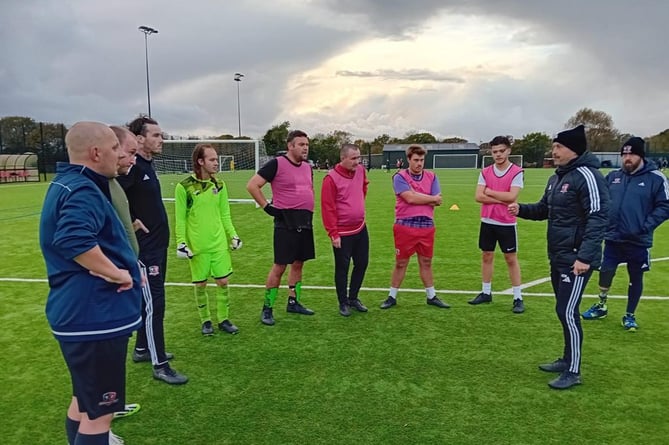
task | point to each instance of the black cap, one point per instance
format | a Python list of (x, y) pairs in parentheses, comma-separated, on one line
[(634, 145), (573, 139)]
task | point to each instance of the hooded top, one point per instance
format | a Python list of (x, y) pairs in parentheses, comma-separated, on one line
[(639, 203)]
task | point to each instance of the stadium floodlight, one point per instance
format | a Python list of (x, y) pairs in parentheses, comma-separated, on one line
[(147, 30), (238, 79)]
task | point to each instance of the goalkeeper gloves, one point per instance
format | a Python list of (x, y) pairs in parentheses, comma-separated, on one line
[(184, 252), (272, 211), (236, 243)]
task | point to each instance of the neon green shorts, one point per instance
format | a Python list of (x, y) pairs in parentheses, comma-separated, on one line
[(210, 264)]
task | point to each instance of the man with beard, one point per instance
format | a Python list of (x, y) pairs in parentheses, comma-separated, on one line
[(639, 204), (292, 207)]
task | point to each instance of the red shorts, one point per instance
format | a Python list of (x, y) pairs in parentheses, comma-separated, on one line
[(410, 240)]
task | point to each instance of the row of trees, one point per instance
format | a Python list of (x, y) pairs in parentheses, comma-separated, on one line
[(21, 134), (600, 131)]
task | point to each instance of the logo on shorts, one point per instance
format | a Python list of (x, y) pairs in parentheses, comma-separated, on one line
[(565, 278), (108, 399), (397, 251), (564, 188), (154, 271)]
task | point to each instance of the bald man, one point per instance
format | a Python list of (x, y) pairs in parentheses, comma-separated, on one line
[(94, 297)]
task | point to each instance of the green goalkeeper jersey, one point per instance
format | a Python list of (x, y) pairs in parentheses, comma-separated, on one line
[(202, 214)]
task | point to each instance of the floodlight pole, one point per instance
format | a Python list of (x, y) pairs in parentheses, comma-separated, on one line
[(238, 79), (147, 30)]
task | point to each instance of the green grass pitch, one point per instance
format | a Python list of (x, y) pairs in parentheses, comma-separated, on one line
[(413, 374)]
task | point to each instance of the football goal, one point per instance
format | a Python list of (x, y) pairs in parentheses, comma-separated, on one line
[(226, 163), (455, 161), (245, 154), (516, 159), (233, 155)]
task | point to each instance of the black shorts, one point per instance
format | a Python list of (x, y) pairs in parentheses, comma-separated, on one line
[(636, 257), (491, 234), (293, 245), (97, 370)]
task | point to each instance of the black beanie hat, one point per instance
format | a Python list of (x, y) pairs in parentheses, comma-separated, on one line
[(635, 146), (573, 139)]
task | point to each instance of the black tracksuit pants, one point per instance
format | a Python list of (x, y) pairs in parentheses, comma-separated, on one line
[(356, 248), (568, 290)]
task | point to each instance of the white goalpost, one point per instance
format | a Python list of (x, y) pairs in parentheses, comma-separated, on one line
[(233, 155), (516, 159)]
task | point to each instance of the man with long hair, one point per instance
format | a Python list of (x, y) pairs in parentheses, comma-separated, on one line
[(203, 228)]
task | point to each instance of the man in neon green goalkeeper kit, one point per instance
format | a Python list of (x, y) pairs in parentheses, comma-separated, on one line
[(203, 227)]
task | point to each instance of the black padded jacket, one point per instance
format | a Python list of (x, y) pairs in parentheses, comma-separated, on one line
[(576, 205)]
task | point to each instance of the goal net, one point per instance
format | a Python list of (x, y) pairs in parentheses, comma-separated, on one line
[(516, 159), (455, 161), (239, 155), (226, 163), (247, 154)]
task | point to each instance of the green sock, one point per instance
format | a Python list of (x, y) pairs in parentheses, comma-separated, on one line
[(298, 290), (202, 301), (223, 302), (270, 296)]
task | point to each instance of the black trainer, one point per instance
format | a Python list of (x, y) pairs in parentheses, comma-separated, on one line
[(169, 375), (390, 302), (207, 329), (481, 298), (295, 307), (344, 310), (565, 380), (266, 316), (356, 304), (559, 365), (435, 301), (146, 356), (228, 327), (518, 306)]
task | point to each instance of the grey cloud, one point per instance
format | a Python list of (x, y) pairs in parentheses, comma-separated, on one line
[(65, 60)]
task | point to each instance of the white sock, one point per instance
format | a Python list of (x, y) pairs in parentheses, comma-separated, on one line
[(393, 292), (430, 292), (516, 293), (487, 288)]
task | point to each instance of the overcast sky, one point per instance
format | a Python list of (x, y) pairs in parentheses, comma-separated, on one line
[(469, 68)]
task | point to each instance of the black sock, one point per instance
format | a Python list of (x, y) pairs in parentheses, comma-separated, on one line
[(71, 428), (92, 439)]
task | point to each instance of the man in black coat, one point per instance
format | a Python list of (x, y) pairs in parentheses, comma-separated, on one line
[(575, 203)]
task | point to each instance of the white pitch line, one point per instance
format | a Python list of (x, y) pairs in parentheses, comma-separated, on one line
[(365, 289), (543, 280)]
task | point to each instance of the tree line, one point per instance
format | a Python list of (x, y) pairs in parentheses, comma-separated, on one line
[(20, 134)]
